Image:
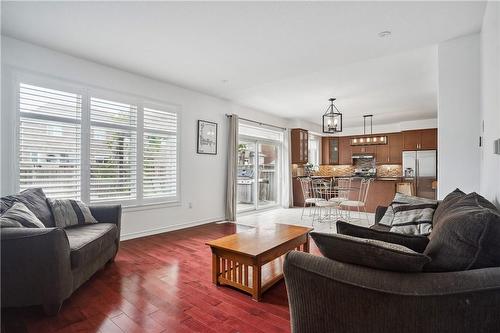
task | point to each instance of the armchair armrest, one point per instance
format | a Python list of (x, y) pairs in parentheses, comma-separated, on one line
[(108, 214), (379, 213), (361, 299), (36, 267), (416, 243)]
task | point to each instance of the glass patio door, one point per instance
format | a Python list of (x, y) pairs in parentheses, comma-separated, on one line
[(258, 174)]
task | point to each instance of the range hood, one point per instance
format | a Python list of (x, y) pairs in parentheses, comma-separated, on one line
[(362, 155)]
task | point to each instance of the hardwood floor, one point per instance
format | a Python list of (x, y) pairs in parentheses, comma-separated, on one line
[(160, 283)]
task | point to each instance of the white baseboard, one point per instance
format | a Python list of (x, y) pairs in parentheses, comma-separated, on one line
[(173, 227)]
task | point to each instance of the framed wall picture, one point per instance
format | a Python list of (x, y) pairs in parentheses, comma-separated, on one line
[(207, 137)]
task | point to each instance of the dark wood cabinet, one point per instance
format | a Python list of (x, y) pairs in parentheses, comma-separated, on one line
[(395, 143), (330, 150), (420, 139), (428, 139), (299, 141), (345, 156), (390, 153)]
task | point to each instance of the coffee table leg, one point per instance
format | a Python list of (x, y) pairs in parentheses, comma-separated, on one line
[(256, 282), (306, 244), (215, 269)]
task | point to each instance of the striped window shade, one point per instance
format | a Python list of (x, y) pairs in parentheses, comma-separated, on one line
[(160, 153), (49, 143), (113, 151)]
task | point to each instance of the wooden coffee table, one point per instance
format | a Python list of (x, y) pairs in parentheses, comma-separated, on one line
[(252, 260)]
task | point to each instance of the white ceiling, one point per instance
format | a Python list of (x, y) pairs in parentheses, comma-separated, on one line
[(286, 58)]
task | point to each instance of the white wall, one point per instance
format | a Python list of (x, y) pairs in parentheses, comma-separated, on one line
[(490, 101), (458, 115), (203, 177)]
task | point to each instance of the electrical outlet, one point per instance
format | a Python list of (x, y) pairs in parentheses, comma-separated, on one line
[(190, 205)]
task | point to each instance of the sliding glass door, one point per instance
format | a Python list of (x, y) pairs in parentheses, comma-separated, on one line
[(258, 184)]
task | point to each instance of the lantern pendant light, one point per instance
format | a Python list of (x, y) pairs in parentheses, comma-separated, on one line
[(332, 119)]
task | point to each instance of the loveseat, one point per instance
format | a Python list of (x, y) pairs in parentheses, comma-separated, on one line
[(44, 266), (328, 295)]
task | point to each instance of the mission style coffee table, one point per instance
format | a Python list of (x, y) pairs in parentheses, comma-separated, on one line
[(252, 260)]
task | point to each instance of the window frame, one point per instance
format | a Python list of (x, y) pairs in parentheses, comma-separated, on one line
[(87, 92)]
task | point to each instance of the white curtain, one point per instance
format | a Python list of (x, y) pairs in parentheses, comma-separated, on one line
[(232, 168), (286, 180)]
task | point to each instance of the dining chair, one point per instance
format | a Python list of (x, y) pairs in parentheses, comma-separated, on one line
[(323, 190), (360, 203), (310, 200), (343, 189)]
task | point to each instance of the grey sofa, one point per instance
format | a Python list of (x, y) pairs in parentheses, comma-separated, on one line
[(44, 266), (326, 295)]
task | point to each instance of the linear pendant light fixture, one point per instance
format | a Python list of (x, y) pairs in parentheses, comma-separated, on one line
[(332, 119), (369, 138)]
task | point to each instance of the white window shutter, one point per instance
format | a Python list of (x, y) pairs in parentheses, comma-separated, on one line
[(160, 154), (49, 141), (113, 151)]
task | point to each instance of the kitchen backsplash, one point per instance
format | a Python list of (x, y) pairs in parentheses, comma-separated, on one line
[(389, 170), (386, 170), (335, 170)]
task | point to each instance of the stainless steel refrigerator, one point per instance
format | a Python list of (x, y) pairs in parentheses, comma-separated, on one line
[(420, 167)]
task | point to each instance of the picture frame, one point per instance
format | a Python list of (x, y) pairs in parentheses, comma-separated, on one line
[(207, 137)]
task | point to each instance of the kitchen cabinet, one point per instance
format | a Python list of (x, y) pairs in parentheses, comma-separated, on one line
[(363, 149), (299, 142), (330, 150), (345, 156), (390, 153), (420, 139)]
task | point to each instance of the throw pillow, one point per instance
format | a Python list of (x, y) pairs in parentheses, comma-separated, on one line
[(413, 219), (19, 216), (416, 243), (447, 202), (369, 252), (70, 212), (466, 237), (401, 199), (35, 200)]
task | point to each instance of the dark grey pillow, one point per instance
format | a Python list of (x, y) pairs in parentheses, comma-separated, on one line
[(415, 243), (467, 237), (369, 252), (19, 216), (35, 200), (444, 205)]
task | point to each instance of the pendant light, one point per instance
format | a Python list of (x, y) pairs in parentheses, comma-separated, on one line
[(332, 119)]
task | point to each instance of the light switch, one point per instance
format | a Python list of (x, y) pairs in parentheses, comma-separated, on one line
[(497, 146)]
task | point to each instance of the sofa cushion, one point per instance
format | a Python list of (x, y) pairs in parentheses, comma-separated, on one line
[(413, 219), (19, 216), (35, 200), (69, 212), (447, 202), (369, 252), (88, 241), (466, 237), (401, 199)]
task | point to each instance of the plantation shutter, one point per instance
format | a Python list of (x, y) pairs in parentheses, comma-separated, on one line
[(49, 140), (160, 153), (113, 150)]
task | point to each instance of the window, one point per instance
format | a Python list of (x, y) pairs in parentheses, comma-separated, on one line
[(103, 150), (113, 150), (314, 147), (160, 155), (49, 141)]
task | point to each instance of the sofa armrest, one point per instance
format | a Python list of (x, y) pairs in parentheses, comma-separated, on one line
[(379, 213), (108, 214), (416, 243), (362, 299), (36, 267)]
